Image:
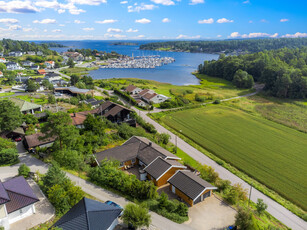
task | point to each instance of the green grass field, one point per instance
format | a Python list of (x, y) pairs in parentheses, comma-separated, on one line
[(271, 153)]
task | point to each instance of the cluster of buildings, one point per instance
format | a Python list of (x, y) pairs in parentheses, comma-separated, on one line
[(75, 56), (20, 54), (144, 97), (161, 167), (146, 62)]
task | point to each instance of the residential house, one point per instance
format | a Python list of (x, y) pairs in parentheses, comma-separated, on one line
[(49, 64), (31, 52), (79, 118), (135, 151), (39, 53), (2, 60), (51, 76), (75, 56), (160, 170), (13, 66), (27, 63), (91, 215), (22, 80), (15, 54), (1, 54), (115, 113), (18, 132), (154, 98), (25, 106), (17, 201), (144, 92), (1, 74), (141, 103), (73, 91), (34, 67), (93, 102), (190, 187), (131, 89), (41, 71), (35, 140), (42, 117)]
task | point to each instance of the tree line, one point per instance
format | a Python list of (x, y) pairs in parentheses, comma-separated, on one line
[(227, 46), (283, 71), (9, 45)]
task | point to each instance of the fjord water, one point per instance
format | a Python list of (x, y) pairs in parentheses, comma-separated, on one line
[(177, 73)]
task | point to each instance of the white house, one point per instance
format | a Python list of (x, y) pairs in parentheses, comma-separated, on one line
[(27, 63), (31, 52), (1, 74), (49, 64), (2, 60), (39, 53), (15, 54), (17, 201), (131, 89), (13, 66)]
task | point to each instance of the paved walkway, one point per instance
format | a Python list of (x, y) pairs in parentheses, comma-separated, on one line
[(275, 209)]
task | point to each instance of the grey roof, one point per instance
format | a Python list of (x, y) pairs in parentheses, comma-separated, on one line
[(160, 166), (20, 193), (72, 89), (136, 147), (190, 184), (4, 197), (89, 215)]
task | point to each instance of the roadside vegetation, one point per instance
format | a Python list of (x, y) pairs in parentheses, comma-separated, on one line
[(80, 71)]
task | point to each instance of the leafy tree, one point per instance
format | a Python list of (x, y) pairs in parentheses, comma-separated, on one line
[(30, 119), (32, 86), (74, 193), (261, 206), (59, 199), (242, 79), (59, 125), (163, 200), (51, 99), (70, 159), (8, 156), (136, 215), (10, 116), (24, 170), (71, 63), (245, 220), (47, 84), (80, 85), (2, 67), (54, 176), (6, 144), (74, 79), (163, 138)]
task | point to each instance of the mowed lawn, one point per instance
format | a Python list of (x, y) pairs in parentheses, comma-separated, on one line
[(271, 153)]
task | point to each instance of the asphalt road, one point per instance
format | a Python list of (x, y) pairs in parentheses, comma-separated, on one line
[(275, 209)]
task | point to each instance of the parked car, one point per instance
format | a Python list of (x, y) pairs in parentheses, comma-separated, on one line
[(57, 94), (232, 227), (109, 202), (17, 139)]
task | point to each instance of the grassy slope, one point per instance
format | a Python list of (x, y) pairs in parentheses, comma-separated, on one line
[(269, 152)]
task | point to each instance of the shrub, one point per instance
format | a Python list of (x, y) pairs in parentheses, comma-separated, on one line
[(261, 206), (136, 215), (217, 101), (8, 156), (245, 219), (199, 98), (189, 91), (24, 170)]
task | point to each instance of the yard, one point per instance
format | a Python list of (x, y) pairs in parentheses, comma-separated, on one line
[(269, 152)]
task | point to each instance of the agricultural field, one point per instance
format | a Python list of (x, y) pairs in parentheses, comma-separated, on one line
[(77, 70), (270, 152), (291, 113), (210, 88)]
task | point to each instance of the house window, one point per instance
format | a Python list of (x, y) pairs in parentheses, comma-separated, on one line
[(121, 164), (133, 161)]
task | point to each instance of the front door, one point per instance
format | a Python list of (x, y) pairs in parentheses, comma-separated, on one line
[(173, 189)]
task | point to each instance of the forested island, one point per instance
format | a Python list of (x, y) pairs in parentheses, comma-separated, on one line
[(283, 71), (226, 46), (54, 45), (124, 44)]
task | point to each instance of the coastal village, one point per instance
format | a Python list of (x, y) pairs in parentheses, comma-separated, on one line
[(84, 153)]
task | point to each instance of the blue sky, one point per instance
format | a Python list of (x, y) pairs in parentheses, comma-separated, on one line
[(151, 19)]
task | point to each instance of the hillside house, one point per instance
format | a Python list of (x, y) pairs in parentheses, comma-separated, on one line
[(35, 140), (1, 74), (73, 91), (25, 106), (90, 215), (151, 97), (2, 60), (39, 53), (13, 66), (51, 77), (49, 64), (131, 89), (34, 67), (31, 52), (75, 56), (27, 63), (15, 54), (41, 71), (17, 201)]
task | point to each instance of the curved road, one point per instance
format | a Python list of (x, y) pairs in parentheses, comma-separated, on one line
[(275, 209)]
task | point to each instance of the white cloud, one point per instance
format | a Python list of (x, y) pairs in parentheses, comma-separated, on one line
[(15, 27), (224, 20), (47, 4), (182, 36), (76, 11), (117, 36), (164, 2), (141, 36), (27, 29), (88, 2), (57, 31), (132, 30), (246, 2), (61, 25), (18, 7), (106, 21), (194, 2), (138, 8), (284, 20), (219, 36), (143, 21), (206, 21), (45, 31), (252, 35), (296, 35), (166, 20), (88, 29), (250, 21), (61, 11), (114, 30), (123, 2), (45, 21), (78, 21), (263, 20), (9, 20)]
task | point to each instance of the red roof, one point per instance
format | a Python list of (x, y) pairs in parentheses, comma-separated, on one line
[(41, 71)]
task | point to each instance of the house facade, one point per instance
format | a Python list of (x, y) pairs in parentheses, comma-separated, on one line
[(17, 201), (49, 64), (32, 141), (131, 89), (25, 106), (13, 66)]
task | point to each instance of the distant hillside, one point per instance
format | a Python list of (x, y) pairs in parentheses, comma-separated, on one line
[(9, 45), (227, 46)]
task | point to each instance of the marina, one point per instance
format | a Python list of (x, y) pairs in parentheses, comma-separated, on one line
[(139, 62)]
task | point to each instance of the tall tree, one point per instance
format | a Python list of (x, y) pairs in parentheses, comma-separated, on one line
[(136, 215), (10, 116)]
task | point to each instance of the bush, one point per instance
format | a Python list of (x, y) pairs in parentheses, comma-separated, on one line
[(261, 206), (217, 101), (8, 156), (245, 219), (24, 170), (199, 98), (51, 99), (70, 159), (136, 215)]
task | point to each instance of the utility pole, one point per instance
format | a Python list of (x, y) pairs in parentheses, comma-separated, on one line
[(250, 193)]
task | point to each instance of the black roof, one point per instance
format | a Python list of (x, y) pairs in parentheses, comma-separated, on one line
[(190, 184), (89, 215), (51, 74)]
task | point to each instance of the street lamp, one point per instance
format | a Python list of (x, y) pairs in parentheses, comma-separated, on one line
[(250, 193)]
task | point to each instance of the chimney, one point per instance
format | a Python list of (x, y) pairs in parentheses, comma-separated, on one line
[(74, 114), (150, 143)]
